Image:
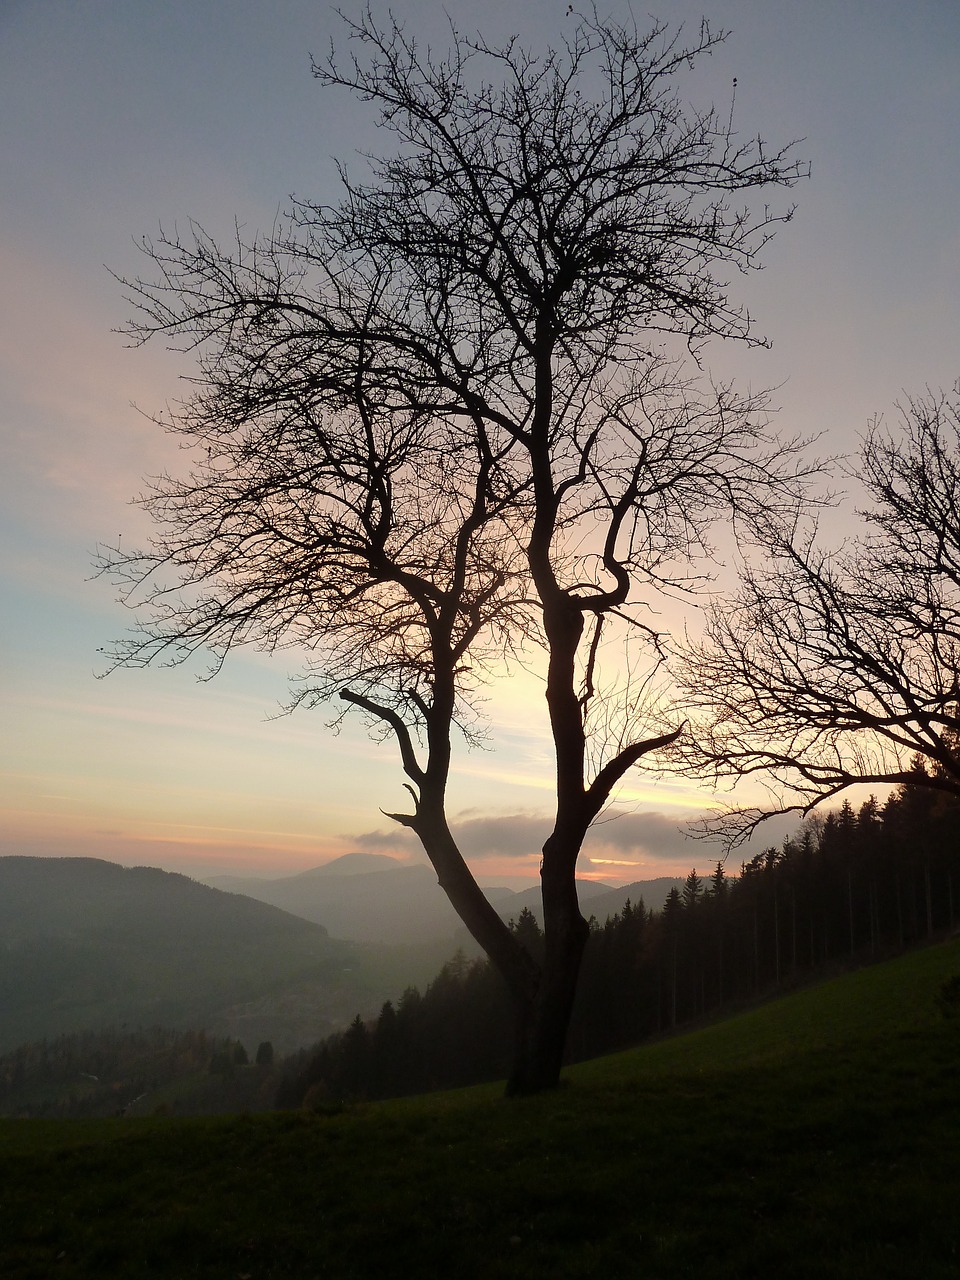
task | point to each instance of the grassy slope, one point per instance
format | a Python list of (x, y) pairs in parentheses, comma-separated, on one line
[(817, 1136)]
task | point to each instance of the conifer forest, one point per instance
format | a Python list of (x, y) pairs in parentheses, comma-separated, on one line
[(850, 887)]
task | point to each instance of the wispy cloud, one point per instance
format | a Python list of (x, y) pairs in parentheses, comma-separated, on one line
[(648, 837)]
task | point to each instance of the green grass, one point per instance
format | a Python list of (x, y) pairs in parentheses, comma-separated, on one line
[(816, 1136)]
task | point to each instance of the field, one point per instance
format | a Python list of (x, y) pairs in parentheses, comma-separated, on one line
[(818, 1135)]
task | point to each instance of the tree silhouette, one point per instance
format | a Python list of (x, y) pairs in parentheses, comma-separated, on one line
[(831, 669), (785, 919), (692, 890), (437, 427)]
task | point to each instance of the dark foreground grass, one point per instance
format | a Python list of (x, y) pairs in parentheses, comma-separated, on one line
[(817, 1136)]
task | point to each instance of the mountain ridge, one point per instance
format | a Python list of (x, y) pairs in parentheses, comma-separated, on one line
[(86, 943), (405, 904)]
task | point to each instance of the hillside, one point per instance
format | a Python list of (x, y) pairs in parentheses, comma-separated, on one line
[(367, 902), (393, 905), (599, 900), (814, 1136), (371, 898), (85, 943)]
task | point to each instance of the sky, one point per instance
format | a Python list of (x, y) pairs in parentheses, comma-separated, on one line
[(118, 116)]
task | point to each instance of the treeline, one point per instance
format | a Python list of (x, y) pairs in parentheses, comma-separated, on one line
[(857, 885), (853, 886), (141, 1071)]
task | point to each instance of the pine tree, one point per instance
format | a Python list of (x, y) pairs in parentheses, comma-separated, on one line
[(718, 882), (692, 890)]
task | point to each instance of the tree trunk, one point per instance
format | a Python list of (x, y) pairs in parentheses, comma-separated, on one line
[(776, 935), (542, 1024), (507, 954)]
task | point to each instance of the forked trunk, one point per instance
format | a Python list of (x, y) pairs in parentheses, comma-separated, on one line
[(542, 995)]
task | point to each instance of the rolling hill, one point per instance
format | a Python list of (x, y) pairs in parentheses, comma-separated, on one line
[(372, 898), (86, 943), (364, 902)]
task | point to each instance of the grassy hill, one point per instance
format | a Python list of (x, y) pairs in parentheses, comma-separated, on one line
[(814, 1137)]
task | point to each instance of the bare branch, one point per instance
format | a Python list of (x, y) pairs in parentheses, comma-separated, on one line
[(599, 791), (387, 714), (432, 425), (830, 669)]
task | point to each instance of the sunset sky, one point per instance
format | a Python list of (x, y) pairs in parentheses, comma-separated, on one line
[(117, 116)]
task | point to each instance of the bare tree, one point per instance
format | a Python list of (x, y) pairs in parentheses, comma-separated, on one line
[(432, 427), (831, 669)]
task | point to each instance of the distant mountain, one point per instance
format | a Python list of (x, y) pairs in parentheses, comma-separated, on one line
[(611, 901), (86, 944), (596, 899), (404, 905), (399, 905), (353, 864), (348, 864), (509, 908)]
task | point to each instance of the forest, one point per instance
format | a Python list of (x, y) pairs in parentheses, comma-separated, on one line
[(853, 886), (124, 1071), (850, 887)]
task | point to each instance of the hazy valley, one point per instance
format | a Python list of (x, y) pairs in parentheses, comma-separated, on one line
[(86, 944), (367, 897)]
